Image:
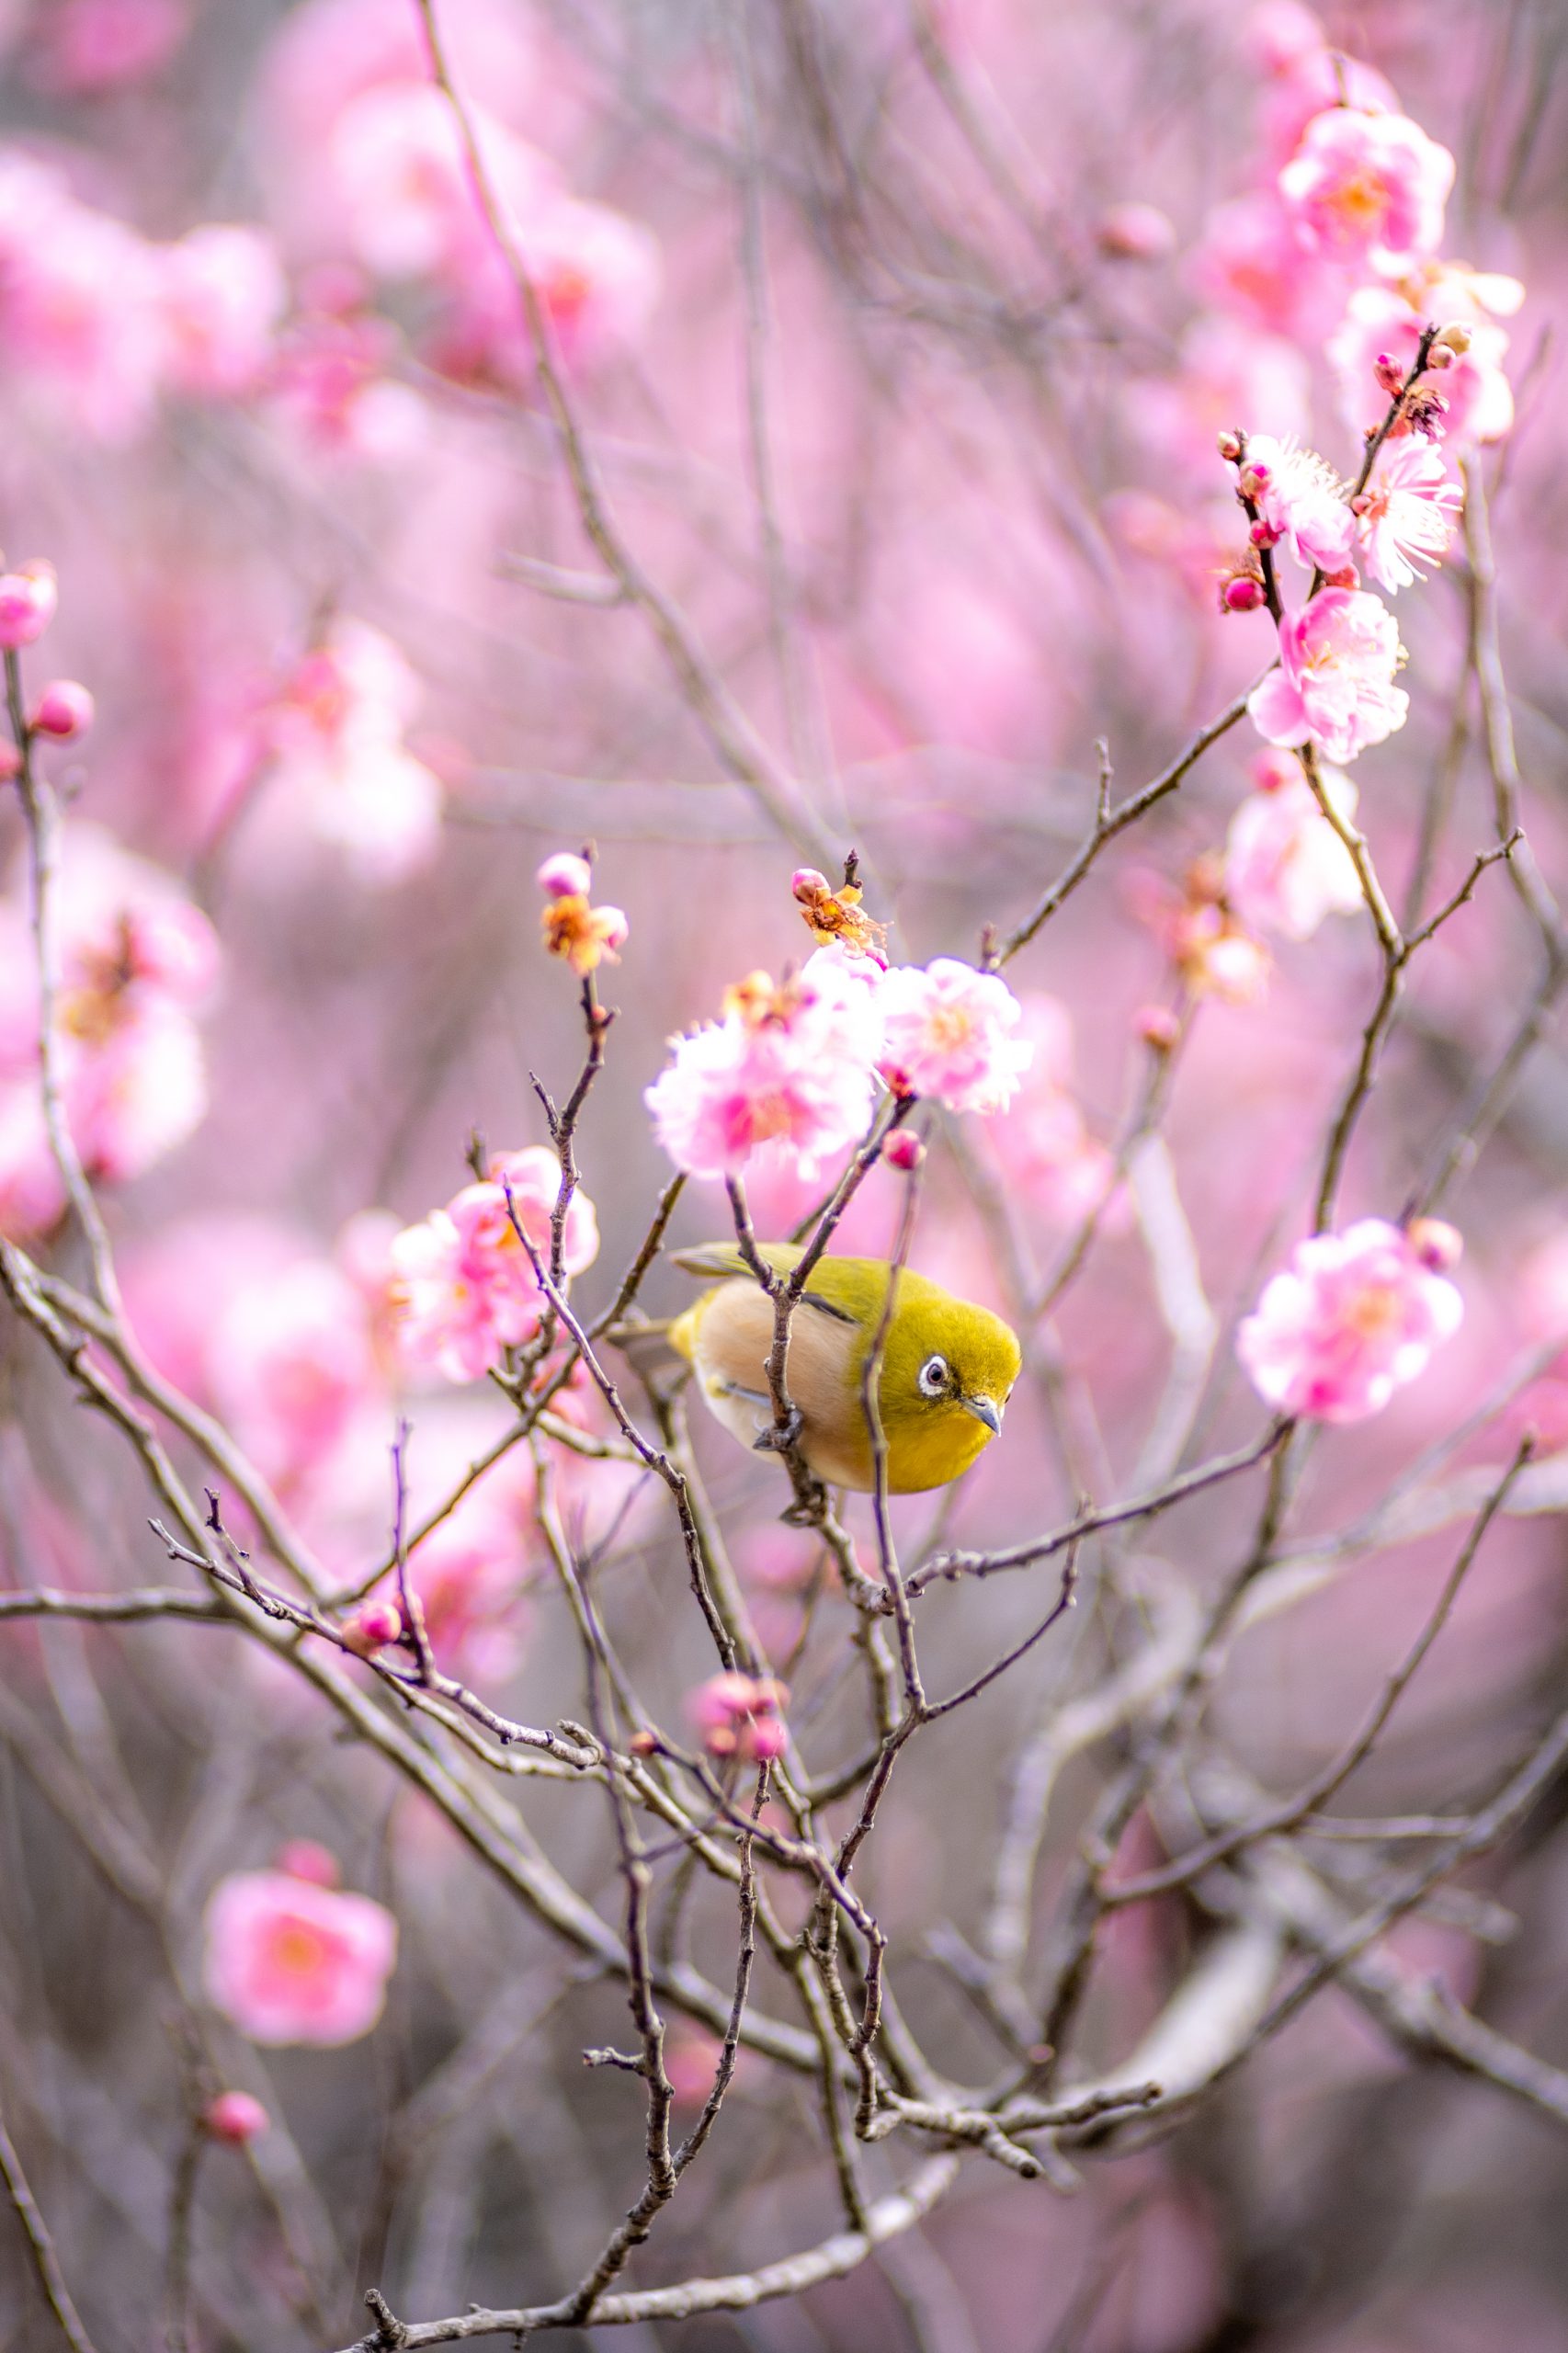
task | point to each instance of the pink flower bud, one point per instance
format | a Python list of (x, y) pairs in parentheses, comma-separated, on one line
[(1243, 595), (564, 876), (27, 598), (373, 1627), (1135, 233), (65, 710), (236, 2117), (1388, 372), (1443, 356), (1436, 1244), (1263, 535), (808, 884), (1157, 1026), (612, 927), (903, 1150), (1229, 445), (1254, 480), (307, 1859)]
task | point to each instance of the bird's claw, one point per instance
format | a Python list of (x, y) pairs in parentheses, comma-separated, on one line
[(780, 1436)]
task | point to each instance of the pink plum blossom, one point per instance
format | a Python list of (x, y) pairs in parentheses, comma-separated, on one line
[(223, 294), (464, 1288), (291, 1961), (948, 1033), (1335, 685), (27, 598), (1351, 1318), (1300, 500), (740, 1715), (1404, 517), (788, 1067), (1367, 188), (1286, 867), (338, 731)]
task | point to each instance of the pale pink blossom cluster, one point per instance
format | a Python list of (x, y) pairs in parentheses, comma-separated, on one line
[(740, 1715), (1286, 867), (341, 762), (790, 1068), (353, 100), (464, 1286), (291, 1960), (793, 1067), (137, 961), (1351, 1318), (98, 322), (1334, 687), (1334, 248)]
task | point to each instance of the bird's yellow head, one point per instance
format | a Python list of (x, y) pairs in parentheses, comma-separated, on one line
[(947, 1371)]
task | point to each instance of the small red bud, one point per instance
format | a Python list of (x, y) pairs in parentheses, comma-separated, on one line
[(808, 884), (903, 1150), (65, 710), (1135, 233), (236, 2117), (1230, 445), (373, 1627), (1436, 1244), (564, 876), (1157, 1026), (307, 1859), (1243, 595)]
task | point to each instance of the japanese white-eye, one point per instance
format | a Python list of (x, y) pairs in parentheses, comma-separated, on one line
[(948, 1366)]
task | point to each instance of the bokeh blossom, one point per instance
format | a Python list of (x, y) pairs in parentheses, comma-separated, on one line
[(136, 962), (338, 731), (290, 1961), (1349, 1319), (1286, 867), (1335, 685), (740, 1715), (1367, 188), (464, 1288)]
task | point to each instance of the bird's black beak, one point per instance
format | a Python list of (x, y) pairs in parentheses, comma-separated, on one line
[(983, 1411)]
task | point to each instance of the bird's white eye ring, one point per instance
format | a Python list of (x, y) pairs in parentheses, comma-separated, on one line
[(935, 1378)]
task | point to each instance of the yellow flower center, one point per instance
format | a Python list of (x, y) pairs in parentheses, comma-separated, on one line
[(1375, 1312), (1361, 202), (298, 1949)]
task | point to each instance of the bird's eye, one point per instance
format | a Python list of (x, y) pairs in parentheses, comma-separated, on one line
[(935, 1378)]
